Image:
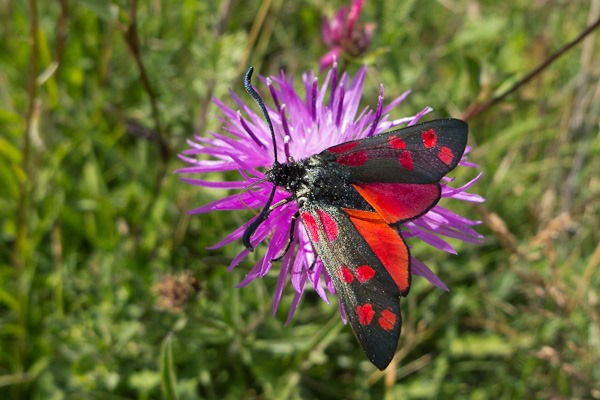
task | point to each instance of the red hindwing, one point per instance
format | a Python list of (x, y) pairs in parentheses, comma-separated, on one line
[(399, 202)]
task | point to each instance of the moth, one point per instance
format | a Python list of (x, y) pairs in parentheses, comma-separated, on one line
[(352, 200)]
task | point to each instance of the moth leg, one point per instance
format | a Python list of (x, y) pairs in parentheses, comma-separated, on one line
[(291, 239), (280, 203), (264, 214)]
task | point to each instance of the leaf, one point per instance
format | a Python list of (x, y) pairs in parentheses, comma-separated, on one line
[(167, 371)]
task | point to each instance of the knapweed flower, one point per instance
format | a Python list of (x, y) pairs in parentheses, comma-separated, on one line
[(327, 115), (342, 34)]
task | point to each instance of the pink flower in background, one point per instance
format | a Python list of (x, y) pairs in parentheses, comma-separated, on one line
[(342, 34)]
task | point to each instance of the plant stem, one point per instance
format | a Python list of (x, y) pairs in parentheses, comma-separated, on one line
[(477, 108)]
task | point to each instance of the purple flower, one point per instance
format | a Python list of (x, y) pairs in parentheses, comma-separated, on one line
[(327, 115), (342, 34)]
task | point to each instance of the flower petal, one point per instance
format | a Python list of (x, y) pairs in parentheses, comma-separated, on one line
[(419, 268)]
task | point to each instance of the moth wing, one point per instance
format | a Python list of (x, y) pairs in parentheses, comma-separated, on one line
[(369, 265), (420, 154)]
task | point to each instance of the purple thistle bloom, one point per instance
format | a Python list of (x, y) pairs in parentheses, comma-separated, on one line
[(328, 115), (342, 34)]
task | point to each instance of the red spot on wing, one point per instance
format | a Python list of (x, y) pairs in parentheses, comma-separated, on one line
[(346, 274), (341, 148), (364, 273), (429, 138), (355, 159), (311, 226), (399, 201), (396, 142), (386, 243), (329, 225), (365, 314), (446, 155), (387, 320), (406, 160)]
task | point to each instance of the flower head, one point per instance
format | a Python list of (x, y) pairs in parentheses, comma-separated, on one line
[(326, 115), (342, 34)]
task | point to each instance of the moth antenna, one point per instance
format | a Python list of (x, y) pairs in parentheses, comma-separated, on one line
[(250, 229), (261, 104)]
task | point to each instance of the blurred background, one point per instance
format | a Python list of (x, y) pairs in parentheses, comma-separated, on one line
[(107, 289)]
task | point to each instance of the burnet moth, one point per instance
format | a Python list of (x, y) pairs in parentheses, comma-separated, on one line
[(352, 199)]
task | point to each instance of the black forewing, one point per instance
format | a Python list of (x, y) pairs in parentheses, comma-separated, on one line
[(375, 159), (343, 257)]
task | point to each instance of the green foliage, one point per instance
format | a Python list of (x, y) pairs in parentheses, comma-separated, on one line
[(107, 289)]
